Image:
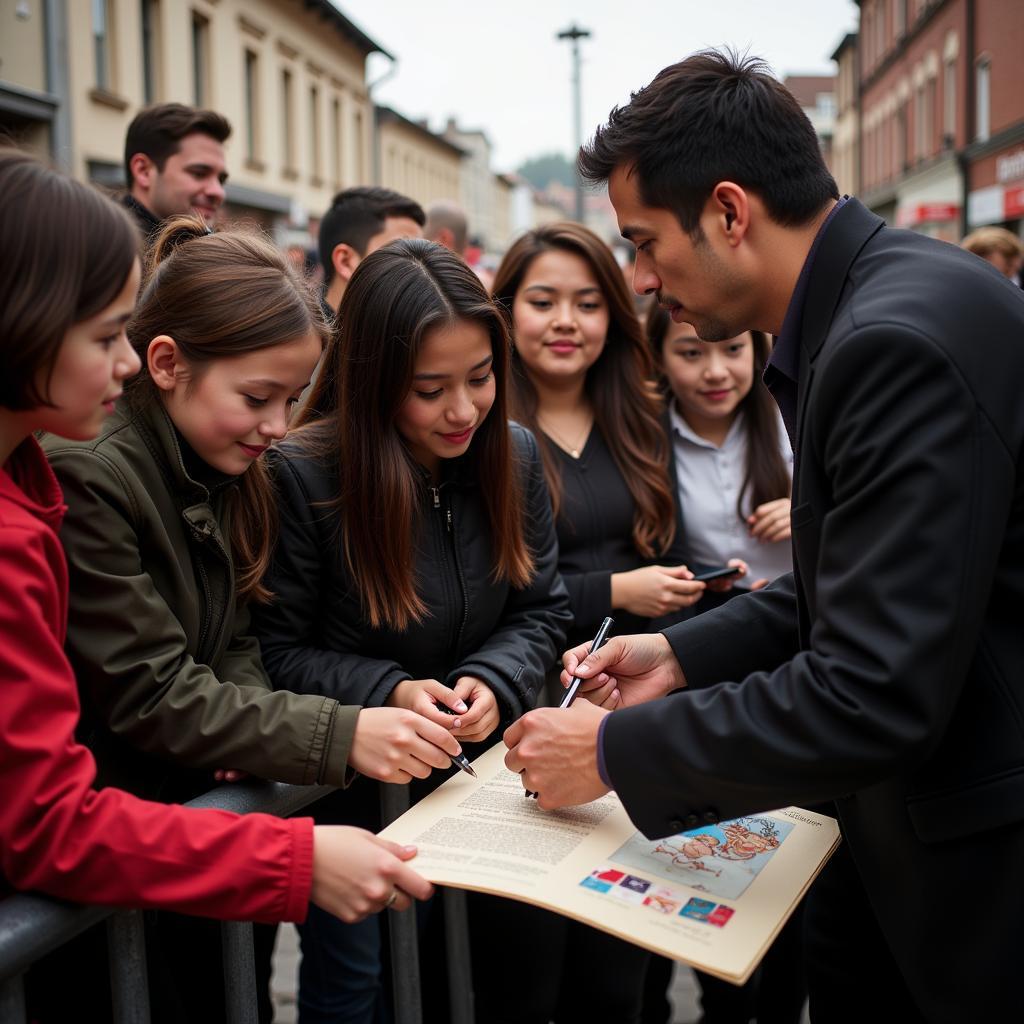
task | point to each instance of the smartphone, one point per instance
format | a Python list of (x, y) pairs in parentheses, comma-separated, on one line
[(718, 574)]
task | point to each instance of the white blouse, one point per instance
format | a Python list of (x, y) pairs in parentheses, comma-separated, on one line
[(709, 484)]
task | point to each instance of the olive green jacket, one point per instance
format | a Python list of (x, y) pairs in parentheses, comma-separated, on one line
[(166, 668)]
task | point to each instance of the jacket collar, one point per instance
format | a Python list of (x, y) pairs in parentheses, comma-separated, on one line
[(192, 496), (147, 220), (27, 481), (847, 234)]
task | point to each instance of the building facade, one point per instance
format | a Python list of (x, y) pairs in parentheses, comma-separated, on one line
[(941, 95), (290, 76), (846, 134), (995, 156), (414, 161)]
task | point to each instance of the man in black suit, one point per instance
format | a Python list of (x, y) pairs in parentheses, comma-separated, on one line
[(886, 674)]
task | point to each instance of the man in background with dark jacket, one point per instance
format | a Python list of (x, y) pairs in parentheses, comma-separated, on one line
[(174, 163)]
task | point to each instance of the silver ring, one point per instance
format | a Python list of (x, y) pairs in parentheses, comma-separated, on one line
[(391, 899)]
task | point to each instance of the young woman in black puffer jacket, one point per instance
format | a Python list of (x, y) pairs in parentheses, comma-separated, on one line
[(416, 565)]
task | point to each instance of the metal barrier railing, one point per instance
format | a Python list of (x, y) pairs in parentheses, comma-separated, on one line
[(32, 926)]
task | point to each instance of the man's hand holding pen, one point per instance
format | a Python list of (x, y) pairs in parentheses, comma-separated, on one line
[(626, 671), (555, 751)]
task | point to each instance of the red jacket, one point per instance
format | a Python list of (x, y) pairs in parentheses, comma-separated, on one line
[(59, 835)]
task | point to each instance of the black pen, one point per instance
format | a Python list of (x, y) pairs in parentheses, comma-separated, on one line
[(597, 643), (459, 760), (570, 694)]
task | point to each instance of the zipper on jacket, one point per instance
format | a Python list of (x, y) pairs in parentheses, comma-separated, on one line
[(462, 582), (436, 492), (207, 609)]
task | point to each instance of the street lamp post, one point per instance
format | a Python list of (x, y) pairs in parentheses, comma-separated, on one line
[(575, 34)]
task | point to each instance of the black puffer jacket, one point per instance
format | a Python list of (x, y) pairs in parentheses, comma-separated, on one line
[(315, 639)]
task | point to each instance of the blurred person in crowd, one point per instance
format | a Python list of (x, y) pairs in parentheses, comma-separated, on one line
[(69, 273), (1003, 249), (416, 562), (733, 466), (360, 221), (174, 164), (886, 673), (168, 532), (447, 225), (582, 382)]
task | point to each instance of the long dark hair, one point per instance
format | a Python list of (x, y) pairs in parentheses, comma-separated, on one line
[(627, 407), (766, 475), (222, 295), (397, 295), (65, 254)]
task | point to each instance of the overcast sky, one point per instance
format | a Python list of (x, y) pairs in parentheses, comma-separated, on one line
[(498, 66)]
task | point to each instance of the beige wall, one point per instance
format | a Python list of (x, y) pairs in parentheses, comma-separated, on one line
[(22, 53), (283, 35), (416, 166)]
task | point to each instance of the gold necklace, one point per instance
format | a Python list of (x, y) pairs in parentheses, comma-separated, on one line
[(573, 448)]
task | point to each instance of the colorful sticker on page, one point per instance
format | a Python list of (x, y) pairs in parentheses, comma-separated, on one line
[(718, 859)]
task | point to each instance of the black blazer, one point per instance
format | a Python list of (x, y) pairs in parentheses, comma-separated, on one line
[(887, 672), (315, 639)]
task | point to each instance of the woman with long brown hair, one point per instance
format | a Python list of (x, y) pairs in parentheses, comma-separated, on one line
[(582, 380), (416, 565), (168, 532)]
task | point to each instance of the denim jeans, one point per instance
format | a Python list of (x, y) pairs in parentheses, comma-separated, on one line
[(340, 970)]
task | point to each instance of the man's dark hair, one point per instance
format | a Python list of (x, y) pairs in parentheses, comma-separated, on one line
[(157, 132), (714, 117), (356, 215)]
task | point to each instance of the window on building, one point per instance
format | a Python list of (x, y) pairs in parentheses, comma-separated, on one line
[(102, 43), (899, 18), (983, 99), (949, 101), (252, 105), (149, 17), (315, 168), (336, 142), (357, 143), (900, 161), (287, 120), (200, 60), (920, 121)]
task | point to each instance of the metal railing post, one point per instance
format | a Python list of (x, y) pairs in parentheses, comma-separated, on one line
[(12, 1001), (129, 985), (460, 962), (240, 1003), (405, 959)]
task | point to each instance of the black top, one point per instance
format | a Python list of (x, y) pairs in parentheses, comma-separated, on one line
[(315, 638), (147, 221), (595, 537)]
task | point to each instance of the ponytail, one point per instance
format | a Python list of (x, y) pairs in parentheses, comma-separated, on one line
[(222, 295)]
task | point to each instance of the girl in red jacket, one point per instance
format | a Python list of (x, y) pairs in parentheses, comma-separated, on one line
[(68, 278)]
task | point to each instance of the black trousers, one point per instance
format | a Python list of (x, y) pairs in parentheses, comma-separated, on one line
[(535, 966)]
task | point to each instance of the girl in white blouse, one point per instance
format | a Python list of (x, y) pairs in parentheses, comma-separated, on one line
[(733, 461)]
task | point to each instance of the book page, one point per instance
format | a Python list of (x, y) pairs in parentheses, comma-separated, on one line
[(713, 897)]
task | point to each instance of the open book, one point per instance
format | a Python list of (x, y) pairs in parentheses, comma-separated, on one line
[(714, 897)]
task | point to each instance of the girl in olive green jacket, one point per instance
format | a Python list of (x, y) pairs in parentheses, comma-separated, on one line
[(168, 531)]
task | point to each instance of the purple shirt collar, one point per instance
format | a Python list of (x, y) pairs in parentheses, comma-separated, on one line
[(785, 355)]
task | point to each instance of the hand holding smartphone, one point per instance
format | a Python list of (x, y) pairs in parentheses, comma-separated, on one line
[(718, 574)]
